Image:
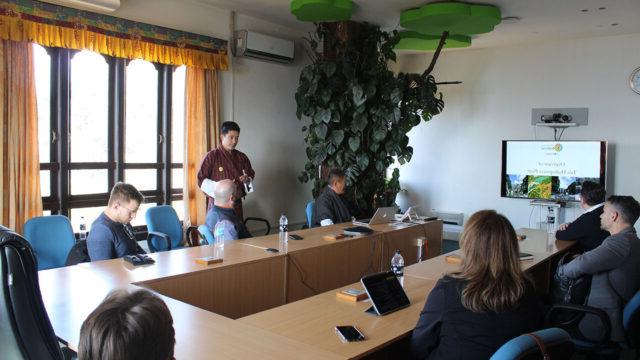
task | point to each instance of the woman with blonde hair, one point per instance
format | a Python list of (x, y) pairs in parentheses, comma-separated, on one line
[(471, 312)]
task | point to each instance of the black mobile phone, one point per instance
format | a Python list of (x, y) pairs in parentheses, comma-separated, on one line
[(348, 333), (295, 237)]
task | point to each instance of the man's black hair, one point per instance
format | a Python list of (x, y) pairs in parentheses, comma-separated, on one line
[(592, 193), (229, 126), (627, 207), (335, 175)]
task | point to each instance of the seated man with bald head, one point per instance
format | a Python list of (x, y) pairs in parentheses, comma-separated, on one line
[(223, 211)]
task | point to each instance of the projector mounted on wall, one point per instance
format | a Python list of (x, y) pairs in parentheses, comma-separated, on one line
[(104, 6), (560, 116)]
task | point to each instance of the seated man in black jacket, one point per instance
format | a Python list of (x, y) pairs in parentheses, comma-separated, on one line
[(329, 207), (223, 212), (586, 228)]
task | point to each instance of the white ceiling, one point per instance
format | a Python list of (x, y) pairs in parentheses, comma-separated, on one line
[(541, 20)]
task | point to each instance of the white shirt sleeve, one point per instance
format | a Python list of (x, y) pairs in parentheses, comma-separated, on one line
[(326, 222), (208, 187)]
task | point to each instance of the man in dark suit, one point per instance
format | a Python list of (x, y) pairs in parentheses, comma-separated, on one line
[(586, 228), (614, 266), (330, 207)]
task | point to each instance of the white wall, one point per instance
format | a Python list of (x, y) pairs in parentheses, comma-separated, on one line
[(258, 95), (457, 155)]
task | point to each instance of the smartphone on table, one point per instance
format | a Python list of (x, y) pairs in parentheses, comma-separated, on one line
[(348, 333)]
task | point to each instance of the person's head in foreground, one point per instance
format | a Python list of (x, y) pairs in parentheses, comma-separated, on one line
[(490, 263), (619, 213), (224, 191), (127, 326)]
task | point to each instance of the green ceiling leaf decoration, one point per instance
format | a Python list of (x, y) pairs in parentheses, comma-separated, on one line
[(411, 40), (322, 10), (454, 17)]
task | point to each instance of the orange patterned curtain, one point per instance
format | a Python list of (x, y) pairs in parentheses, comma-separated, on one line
[(58, 26), (19, 162), (201, 135)]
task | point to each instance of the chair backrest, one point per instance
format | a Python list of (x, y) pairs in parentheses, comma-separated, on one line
[(557, 342), (51, 237), (25, 329), (206, 234), (631, 320), (164, 219), (309, 211)]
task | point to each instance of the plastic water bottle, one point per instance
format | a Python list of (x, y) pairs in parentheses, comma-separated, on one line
[(397, 264), (551, 220), (284, 228), (82, 235), (218, 235)]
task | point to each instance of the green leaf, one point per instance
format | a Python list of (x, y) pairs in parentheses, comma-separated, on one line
[(337, 136), (304, 128), (325, 95), (379, 135), (395, 96), (354, 143), (329, 68), (323, 115), (380, 166), (363, 161), (360, 122), (321, 131), (358, 95)]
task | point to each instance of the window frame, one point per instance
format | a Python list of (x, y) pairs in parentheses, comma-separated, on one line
[(61, 201)]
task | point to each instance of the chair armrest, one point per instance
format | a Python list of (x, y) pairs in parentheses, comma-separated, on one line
[(573, 323), (190, 239), (261, 220), (163, 236)]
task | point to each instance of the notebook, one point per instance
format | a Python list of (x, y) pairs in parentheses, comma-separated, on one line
[(382, 215)]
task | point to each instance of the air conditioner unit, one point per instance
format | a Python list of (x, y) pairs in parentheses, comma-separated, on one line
[(259, 46), (91, 5)]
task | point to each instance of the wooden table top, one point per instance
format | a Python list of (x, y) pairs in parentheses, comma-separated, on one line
[(71, 293), (312, 321), (534, 244), (176, 263), (200, 334)]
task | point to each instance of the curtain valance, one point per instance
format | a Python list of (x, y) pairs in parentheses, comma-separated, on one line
[(52, 25)]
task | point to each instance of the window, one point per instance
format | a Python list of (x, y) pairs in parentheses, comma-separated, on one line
[(101, 120)]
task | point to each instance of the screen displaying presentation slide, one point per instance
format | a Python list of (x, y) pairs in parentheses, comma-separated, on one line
[(552, 170)]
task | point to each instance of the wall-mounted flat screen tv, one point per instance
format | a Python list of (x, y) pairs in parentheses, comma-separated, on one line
[(551, 170)]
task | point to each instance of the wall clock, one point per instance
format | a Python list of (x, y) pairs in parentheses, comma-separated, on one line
[(634, 80)]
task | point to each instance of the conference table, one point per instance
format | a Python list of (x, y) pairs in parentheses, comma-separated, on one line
[(269, 305)]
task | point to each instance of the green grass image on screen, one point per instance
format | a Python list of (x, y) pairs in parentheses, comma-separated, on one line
[(539, 187)]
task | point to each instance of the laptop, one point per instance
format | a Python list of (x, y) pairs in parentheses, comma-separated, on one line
[(383, 215), (385, 292)]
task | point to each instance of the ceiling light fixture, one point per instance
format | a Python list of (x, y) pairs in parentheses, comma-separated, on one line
[(614, 24), (585, 10), (602, 8), (511, 19)]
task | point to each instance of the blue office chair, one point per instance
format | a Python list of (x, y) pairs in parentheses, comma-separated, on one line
[(51, 238), (206, 234), (557, 345), (604, 345), (309, 211), (164, 230)]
